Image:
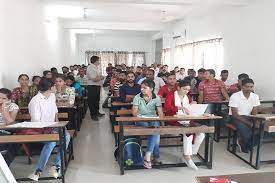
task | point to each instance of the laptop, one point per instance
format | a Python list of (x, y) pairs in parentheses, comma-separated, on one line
[(198, 109)]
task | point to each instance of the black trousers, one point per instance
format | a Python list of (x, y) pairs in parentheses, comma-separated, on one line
[(93, 99)]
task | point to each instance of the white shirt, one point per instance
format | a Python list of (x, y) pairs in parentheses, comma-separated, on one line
[(244, 105), (158, 83), (181, 103), (82, 81), (180, 76), (43, 109), (93, 72)]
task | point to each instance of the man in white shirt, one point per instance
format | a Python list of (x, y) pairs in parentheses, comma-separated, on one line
[(43, 108), (181, 74), (95, 81), (243, 103), (150, 74)]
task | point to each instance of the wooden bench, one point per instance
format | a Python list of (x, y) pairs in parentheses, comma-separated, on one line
[(164, 130), (10, 139), (167, 130), (61, 116), (28, 138)]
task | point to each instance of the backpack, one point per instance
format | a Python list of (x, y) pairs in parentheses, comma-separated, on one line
[(133, 155)]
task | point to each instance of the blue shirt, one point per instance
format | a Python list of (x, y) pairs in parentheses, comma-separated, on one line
[(78, 88), (138, 78), (128, 90)]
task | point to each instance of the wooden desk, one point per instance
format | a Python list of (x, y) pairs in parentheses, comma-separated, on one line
[(264, 177), (262, 123), (60, 137), (268, 102), (70, 109), (208, 129)]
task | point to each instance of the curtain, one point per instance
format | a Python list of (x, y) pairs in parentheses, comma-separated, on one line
[(183, 56), (166, 56), (89, 54), (206, 54), (138, 58), (116, 58), (122, 57), (107, 57)]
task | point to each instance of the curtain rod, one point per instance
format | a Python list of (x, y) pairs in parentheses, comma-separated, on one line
[(118, 51), (197, 42)]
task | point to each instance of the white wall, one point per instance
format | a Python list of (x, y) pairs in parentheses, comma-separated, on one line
[(115, 42), (29, 43), (248, 39)]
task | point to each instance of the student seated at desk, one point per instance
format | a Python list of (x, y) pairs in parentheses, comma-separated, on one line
[(150, 74), (178, 102), (22, 95), (43, 108), (211, 89), (171, 85), (237, 86), (114, 78), (35, 81), (242, 103), (8, 110), (81, 78), (70, 81), (148, 104), (119, 83), (65, 95), (191, 78), (130, 89), (48, 74)]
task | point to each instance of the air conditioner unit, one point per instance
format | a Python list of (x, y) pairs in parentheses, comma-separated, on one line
[(178, 34)]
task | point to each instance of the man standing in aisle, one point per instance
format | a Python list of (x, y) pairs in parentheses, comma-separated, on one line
[(95, 81)]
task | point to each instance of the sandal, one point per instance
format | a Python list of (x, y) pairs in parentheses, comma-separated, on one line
[(156, 162), (147, 164)]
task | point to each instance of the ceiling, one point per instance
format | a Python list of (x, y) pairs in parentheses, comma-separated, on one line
[(135, 15)]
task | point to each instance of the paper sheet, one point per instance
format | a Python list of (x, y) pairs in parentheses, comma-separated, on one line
[(142, 116), (32, 125)]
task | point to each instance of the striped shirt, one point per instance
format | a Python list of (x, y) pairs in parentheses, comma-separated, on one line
[(212, 92)]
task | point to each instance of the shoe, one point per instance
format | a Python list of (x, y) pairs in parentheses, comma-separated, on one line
[(35, 176), (54, 172), (241, 148), (190, 163), (100, 115), (95, 118)]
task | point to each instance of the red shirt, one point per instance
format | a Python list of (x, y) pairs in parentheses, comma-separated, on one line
[(234, 88), (170, 108), (212, 92), (164, 90)]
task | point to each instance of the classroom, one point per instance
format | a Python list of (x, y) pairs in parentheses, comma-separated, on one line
[(118, 91)]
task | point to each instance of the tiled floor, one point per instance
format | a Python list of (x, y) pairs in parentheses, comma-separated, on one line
[(94, 161)]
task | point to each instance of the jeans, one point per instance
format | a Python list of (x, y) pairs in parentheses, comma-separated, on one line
[(153, 140), (46, 153), (245, 132)]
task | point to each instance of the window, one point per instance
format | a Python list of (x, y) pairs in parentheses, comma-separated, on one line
[(166, 56), (206, 54), (116, 58)]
